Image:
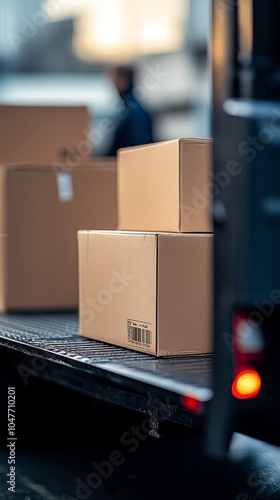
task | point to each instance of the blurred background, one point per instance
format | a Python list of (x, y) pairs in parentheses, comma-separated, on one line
[(59, 51)]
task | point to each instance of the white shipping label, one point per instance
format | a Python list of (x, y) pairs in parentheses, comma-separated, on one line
[(65, 186)]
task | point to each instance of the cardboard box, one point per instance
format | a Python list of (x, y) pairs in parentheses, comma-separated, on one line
[(146, 291), (40, 213), (166, 186), (43, 134)]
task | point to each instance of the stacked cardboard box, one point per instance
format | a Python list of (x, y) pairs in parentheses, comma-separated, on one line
[(45, 198), (42, 134), (148, 286)]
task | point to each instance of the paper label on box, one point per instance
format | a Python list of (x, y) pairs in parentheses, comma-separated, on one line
[(139, 333), (65, 186)]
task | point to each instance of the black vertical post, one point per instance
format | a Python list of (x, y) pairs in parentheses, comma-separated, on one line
[(245, 208)]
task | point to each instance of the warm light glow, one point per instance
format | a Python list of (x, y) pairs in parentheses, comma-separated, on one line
[(109, 34), (247, 384), (123, 29)]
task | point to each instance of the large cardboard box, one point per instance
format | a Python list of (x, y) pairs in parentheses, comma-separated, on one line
[(43, 134), (166, 186), (150, 292), (41, 211)]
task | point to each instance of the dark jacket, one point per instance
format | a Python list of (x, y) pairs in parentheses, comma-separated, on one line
[(134, 125)]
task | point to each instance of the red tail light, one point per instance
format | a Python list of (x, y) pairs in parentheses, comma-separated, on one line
[(248, 341), (191, 404), (248, 351)]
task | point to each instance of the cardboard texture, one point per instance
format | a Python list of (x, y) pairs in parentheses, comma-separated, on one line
[(43, 134), (150, 292), (166, 186), (40, 213)]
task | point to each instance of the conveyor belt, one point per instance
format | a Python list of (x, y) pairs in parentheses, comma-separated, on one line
[(119, 375)]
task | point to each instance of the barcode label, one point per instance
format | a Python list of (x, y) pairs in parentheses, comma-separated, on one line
[(139, 333)]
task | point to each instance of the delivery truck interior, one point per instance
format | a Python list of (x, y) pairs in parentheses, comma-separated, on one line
[(246, 129), (237, 390)]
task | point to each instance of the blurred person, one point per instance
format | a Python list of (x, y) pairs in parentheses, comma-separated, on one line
[(134, 125)]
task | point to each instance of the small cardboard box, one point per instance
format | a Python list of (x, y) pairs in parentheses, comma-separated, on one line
[(41, 211), (150, 292), (166, 186), (43, 134)]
